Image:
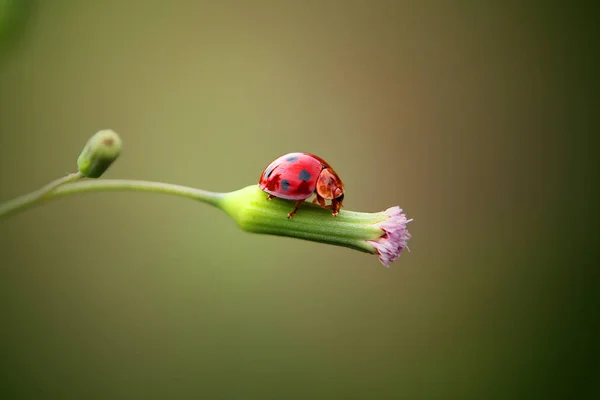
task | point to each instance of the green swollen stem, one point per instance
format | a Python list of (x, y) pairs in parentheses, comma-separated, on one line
[(252, 212)]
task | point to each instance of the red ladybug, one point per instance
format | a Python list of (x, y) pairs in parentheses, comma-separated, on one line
[(296, 176)]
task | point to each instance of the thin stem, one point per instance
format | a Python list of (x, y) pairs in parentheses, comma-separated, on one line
[(20, 203), (55, 191), (60, 181)]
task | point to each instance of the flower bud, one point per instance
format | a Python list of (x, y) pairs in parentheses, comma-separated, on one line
[(99, 153), (383, 233)]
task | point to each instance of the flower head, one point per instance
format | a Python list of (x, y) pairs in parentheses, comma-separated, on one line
[(394, 238), (383, 233)]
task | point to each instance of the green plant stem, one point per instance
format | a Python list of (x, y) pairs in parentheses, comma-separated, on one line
[(62, 188), (20, 203), (253, 212)]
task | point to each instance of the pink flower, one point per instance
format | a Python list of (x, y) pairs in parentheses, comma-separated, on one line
[(393, 241)]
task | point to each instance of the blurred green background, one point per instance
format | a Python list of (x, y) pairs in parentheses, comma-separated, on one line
[(466, 114)]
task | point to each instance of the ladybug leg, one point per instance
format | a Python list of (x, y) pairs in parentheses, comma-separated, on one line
[(334, 206), (290, 215), (320, 200), (270, 197)]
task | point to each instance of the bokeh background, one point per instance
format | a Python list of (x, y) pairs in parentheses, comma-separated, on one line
[(469, 115)]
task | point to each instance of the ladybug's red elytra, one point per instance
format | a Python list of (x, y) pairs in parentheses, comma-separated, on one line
[(296, 176)]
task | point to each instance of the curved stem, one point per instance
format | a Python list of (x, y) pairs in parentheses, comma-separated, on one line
[(60, 181), (60, 189), (383, 233), (15, 205)]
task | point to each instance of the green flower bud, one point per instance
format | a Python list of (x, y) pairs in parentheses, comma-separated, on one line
[(99, 153), (383, 233)]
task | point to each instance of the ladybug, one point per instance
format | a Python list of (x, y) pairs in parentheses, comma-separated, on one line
[(296, 176)]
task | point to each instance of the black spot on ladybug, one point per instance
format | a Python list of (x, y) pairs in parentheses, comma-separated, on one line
[(291, 159), (285, 185), (304, 175)]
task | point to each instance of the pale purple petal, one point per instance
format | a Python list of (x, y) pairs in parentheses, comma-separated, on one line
[(393, 241)]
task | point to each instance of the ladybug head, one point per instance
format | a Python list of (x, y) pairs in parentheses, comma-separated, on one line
[(330, 187)]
